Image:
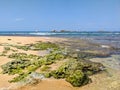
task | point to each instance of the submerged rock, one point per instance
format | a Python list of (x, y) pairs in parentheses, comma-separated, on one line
[(36, 75), (32, 79)]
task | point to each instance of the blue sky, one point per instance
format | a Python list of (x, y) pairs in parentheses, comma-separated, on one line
[(59, 14)]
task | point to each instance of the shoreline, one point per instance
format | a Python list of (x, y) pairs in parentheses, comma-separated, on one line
[(58, 84)]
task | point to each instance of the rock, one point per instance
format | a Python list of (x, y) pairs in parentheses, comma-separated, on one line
[(78, 78)]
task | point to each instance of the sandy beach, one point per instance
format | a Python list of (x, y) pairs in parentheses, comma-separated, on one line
[(22, 41), (101, 81), (59, 44)]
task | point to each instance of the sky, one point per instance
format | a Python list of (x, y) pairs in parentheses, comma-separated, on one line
[(59, 14)]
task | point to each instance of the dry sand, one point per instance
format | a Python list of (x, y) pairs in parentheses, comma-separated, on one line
[(101, 81), (4, 78)]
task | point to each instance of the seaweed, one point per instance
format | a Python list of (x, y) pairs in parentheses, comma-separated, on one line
[(15, 67), (32, 68), (26, 48), (22, 56), (29, 63), (76, 72), (19, 77), (37, 46), (44, 46), (82, 55), (78, 78), (45, 68), (7, 48)]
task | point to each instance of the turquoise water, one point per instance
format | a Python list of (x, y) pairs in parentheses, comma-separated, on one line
[(60, 34), (112, 37)]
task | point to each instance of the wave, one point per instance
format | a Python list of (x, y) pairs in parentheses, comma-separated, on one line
[(51, 33), (63, 33)]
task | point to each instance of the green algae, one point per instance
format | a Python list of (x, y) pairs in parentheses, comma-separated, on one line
[(44, 46), (29, 63), (22, 56), (45, 68), (37, 46), (7, 48), (78, 78), (15, 67), (26, 48), (19, 77), (76, 70)]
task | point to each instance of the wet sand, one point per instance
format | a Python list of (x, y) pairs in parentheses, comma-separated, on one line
[(109, 80), (17, 40)]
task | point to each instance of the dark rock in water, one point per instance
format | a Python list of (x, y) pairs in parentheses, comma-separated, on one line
[(91, 67), (83, 55), (86, 55), (92, 55)]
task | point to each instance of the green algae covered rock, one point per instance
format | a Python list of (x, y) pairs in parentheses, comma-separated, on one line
[(37, 46), (60, 73), (7, 48), (24, 56), (18, 56), (32, 68), (26, 48), (15, 67), (47, 75), (76, 72), (45, 68), (19, 77), (78, 78), (44, 46), (90, 68)]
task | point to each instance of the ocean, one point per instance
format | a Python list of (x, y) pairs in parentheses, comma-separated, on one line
[(61, 34), (112, 38)]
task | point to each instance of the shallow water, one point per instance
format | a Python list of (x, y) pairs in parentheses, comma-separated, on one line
[(109, 38)]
